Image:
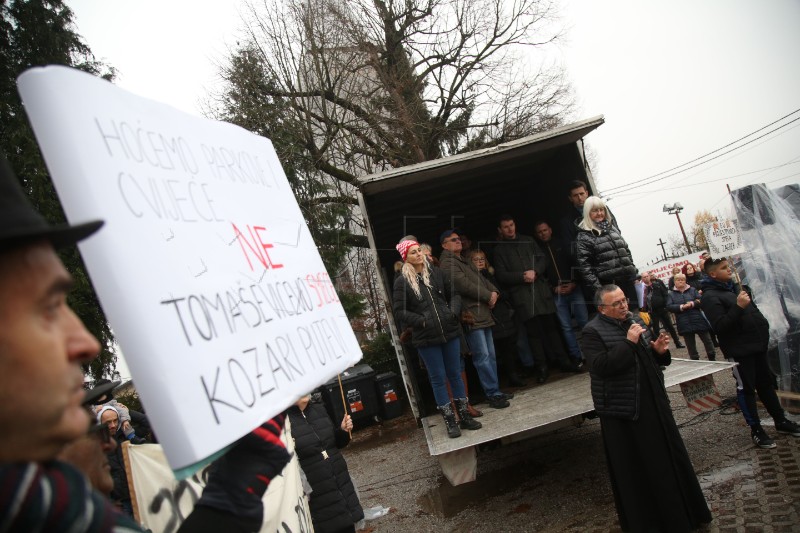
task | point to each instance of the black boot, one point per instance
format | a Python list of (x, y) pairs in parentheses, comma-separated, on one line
[(449, 420), (467, 422), (542, 373)]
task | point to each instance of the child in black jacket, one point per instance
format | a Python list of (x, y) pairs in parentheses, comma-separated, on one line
[(743, 334)]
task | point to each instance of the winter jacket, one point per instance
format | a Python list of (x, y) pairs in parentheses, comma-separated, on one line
[(333, 501), (474, 289), (689, 320), (741, 332), (511, 259), (433, 315), (505, 325), (655, 295), (613, 365), (603, 257)]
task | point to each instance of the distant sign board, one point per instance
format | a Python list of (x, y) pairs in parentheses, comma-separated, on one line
[(663, 270), (205, 268), (724, 238)]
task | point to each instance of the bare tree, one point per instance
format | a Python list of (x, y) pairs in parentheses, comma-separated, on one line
[(374, 84)]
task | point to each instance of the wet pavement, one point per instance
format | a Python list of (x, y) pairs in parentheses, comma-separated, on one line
[(559, 481)]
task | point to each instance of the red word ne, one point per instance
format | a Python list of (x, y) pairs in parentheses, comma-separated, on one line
[(256, 245)]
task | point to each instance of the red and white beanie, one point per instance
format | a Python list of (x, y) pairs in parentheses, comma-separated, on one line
[(403, 247)]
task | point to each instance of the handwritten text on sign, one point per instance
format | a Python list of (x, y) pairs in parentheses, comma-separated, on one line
[(205, 267), (724, 238)]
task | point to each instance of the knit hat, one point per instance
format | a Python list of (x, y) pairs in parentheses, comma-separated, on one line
[(103, 410), (403, 247)]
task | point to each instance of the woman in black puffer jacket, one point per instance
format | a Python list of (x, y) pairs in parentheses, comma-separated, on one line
[(333, 501), (424, 302), (603, 255)]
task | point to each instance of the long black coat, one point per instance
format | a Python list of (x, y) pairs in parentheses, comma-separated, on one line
[(654, 484), (688, 320), (333, 502), (604, 257), (433, 315)]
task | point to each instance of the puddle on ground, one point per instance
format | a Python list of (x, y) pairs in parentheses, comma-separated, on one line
[(725, 474)]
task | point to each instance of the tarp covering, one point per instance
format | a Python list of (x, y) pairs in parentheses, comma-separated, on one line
[(771, 267)]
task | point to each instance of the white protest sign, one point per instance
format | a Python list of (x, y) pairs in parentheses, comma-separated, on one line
[(724, 238), (162, 503), (205, 267)]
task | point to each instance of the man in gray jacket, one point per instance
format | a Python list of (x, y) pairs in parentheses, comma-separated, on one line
[(478, 297)]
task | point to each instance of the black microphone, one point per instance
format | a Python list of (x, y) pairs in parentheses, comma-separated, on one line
[(628, 322)]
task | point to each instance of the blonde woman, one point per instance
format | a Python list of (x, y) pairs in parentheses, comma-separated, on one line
[(603, 255), (424, 302)]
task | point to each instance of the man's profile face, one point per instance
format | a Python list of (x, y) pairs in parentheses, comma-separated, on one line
[(89, 455), (544, 232), (452, 244), (615, 305), (578, 196), (508, 229), (646, 279), (42, 345)]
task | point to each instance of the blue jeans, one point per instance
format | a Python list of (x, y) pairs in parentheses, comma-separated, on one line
[(568, 305), (481, 344), (443, 362)]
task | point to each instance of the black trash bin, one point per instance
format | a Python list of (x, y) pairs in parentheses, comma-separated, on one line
[(358, 384), (388, 399)]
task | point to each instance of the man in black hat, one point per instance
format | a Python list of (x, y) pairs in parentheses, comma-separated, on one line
[(42, 346)]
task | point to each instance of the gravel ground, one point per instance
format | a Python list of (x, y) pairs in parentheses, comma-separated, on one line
[(554, 482)]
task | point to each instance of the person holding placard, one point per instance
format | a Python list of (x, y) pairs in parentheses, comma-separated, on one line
[(424, 301), (333, 501), (743, 333), (42, 347)]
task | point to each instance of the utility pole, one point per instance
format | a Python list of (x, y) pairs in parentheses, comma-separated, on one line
[(661, 243), (675, 209)]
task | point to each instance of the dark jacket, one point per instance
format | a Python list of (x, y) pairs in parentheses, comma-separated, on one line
[(511, 259), (505, 324), (120, 492), (603, 257), (433, 315), (655, 295), (474, 289), (614, 365), (741, 332), (561, 266), (688, 320), (333, 501)]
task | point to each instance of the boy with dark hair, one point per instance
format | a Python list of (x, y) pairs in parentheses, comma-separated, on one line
[(743, 334)]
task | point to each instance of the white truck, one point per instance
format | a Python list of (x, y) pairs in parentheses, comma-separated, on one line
[(527, 178)]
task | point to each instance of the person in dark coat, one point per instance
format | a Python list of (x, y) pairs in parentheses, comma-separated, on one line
[(422, 300), (504, 330), (120, 494), (603, 255), (684, 302), (693, 277), (520, 266), (743, 334), (655, 302), (333, 501), (654, 484)]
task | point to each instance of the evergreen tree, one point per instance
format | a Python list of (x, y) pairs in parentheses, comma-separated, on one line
[(37, 33)]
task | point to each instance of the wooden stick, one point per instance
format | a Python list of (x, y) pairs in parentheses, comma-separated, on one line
[(344, 404)]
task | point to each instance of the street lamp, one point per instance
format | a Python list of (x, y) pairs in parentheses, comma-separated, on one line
[(675, 209)]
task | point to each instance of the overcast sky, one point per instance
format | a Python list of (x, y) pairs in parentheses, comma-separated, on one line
[(675, 80)]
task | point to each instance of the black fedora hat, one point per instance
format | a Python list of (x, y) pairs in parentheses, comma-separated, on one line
[(103, 387), (20, 224)]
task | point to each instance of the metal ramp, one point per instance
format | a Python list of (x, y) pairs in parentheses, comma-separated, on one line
[(561, 402)]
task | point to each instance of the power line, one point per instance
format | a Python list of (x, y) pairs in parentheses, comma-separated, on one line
[(644, 182)]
